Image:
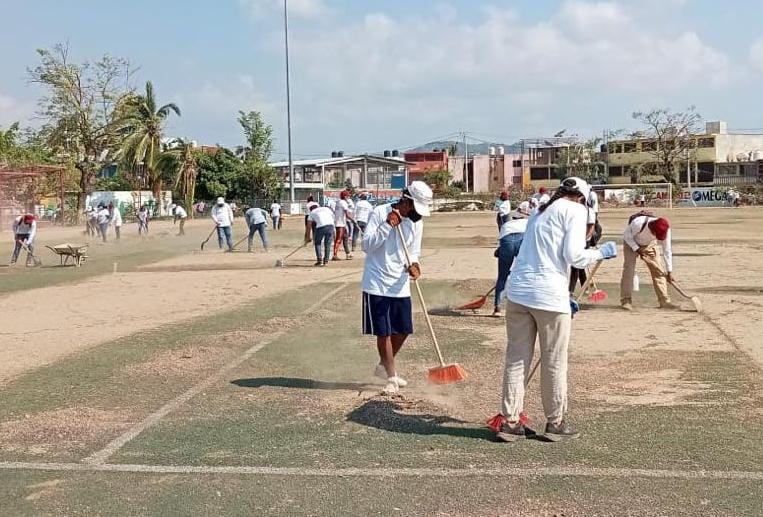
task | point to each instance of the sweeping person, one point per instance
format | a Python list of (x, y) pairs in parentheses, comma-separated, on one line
[(593, 234), (509, 243), (539, 306), (143, 218), (24, 232), (180, 215), (222, 215), (275, 214), (309, 204), (256, 220), (503, 208), (341, 216), (386, 275), (322, 221), (648, 237), (116, 219), (92, 219), (103, 218)]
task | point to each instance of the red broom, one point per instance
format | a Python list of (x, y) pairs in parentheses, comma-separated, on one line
[(476, 304)]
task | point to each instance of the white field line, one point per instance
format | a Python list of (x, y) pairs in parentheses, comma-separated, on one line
[(120, 441), (616, 473)]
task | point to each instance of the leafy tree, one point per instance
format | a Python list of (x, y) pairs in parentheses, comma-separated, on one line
[(581, 159), (438, 180), (217, 174), (672, 133), (142, 122), (19, 147), (179, 165), (79, 109), (258, 135)]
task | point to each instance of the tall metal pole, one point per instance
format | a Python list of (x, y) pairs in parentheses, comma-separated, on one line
[(288, 99)]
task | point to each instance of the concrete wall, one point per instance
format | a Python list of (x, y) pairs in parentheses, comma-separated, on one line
[(727, 147)]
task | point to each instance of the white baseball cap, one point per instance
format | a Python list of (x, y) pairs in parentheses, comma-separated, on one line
[(421, 195), (220, 200), (575, 185)]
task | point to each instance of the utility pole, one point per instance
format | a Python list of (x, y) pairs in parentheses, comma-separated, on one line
[(466, 162), (288, 99)]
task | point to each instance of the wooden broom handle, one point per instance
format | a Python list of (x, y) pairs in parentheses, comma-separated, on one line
[(589, 280), (421, 298)]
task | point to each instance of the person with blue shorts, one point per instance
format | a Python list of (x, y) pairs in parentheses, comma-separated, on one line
[(387, 310)]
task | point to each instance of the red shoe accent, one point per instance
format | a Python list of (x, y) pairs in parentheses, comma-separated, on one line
[(496, 422)]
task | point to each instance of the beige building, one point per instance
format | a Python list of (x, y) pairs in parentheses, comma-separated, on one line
[(716, 156)]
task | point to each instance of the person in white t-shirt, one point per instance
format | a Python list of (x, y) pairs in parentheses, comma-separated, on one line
[(593, 234), (115, 219), (102, 218), (143, 218), (509, 243), (275, 214), (341, 216), (222, 215), (648, 237), (322, 220), (539, 307), (386, 275), (256, 220), (309, 204), (180, 215), (503, 208), (24, 232)]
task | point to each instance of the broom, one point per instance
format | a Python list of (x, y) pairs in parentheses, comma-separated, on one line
[(282, 262), (597, 295), (498, 420), (476, 304), (445, 373), (694, 299), (209, 237)]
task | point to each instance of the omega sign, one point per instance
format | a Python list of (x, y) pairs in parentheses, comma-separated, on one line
[(704, 196)]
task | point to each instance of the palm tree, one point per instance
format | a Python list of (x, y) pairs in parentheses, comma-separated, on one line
[(142, 123), (178, 163)]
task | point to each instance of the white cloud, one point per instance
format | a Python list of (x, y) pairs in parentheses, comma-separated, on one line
[(299, 8), (14, 110), (756, 54)]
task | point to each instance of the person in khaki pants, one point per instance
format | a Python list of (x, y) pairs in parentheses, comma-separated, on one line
[(539, 306), (647, 237)]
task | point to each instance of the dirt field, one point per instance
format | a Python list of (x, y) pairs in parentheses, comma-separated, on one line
[(209, 383)]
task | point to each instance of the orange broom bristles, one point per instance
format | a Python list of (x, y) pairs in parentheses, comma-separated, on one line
[(446, 374), (597, 296), (476, 304)]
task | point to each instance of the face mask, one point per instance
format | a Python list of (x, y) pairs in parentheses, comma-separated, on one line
[(220, 204)]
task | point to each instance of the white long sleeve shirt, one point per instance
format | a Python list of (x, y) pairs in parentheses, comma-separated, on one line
[(504, 208), (222, 215), (385, 272), (553, 242), (21, 228), (363, 211), (116, 217), (635, 237)]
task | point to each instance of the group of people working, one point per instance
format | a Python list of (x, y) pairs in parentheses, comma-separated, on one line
[(340, 223)]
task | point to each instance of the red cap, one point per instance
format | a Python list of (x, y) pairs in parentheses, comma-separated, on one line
[(542, 190), (344, 194), (28, 219), (504, 195), (660, 228)]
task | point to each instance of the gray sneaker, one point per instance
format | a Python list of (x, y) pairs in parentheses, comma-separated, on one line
[(512, 432), (560, 432)]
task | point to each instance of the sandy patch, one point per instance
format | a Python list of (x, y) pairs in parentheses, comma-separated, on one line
[(64, 429), (184, 361), (655, 388)]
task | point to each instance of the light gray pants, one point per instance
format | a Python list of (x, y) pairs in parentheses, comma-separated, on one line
[(552, 329)]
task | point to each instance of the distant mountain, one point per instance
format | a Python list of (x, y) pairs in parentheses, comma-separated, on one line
[(473, 148)]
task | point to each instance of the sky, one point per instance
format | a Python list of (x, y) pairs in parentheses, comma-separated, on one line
[(369, 75)]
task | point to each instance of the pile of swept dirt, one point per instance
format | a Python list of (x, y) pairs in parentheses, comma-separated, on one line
[(73, 428)]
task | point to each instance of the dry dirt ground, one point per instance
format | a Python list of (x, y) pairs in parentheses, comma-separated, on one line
[(214, 361)]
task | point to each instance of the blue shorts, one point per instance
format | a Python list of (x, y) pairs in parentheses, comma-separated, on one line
[(385, 316)]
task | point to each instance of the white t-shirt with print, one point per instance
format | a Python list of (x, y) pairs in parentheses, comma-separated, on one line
[(340, 213)]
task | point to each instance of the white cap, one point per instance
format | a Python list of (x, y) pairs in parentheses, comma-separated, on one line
[(575, 184), (524, 207), (220, 200), (421, 195)]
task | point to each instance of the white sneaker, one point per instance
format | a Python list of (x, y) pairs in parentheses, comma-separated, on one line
[(391, 388), (381, 373)]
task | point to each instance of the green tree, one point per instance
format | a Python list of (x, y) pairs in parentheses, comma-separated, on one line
[(258, 135), (79, 110), (217, 174), (581, 159), (179, 165), (438, 180), (142, 122), (257, 179)]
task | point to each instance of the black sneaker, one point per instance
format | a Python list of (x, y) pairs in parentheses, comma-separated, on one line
[(319, 263), (560, 432), (512, 433)]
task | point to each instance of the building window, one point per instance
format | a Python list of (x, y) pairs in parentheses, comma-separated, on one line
[(616, 171), (539, 173), (615, 148), (516, 163), (706, 143), (630, 147), (649, 146)]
